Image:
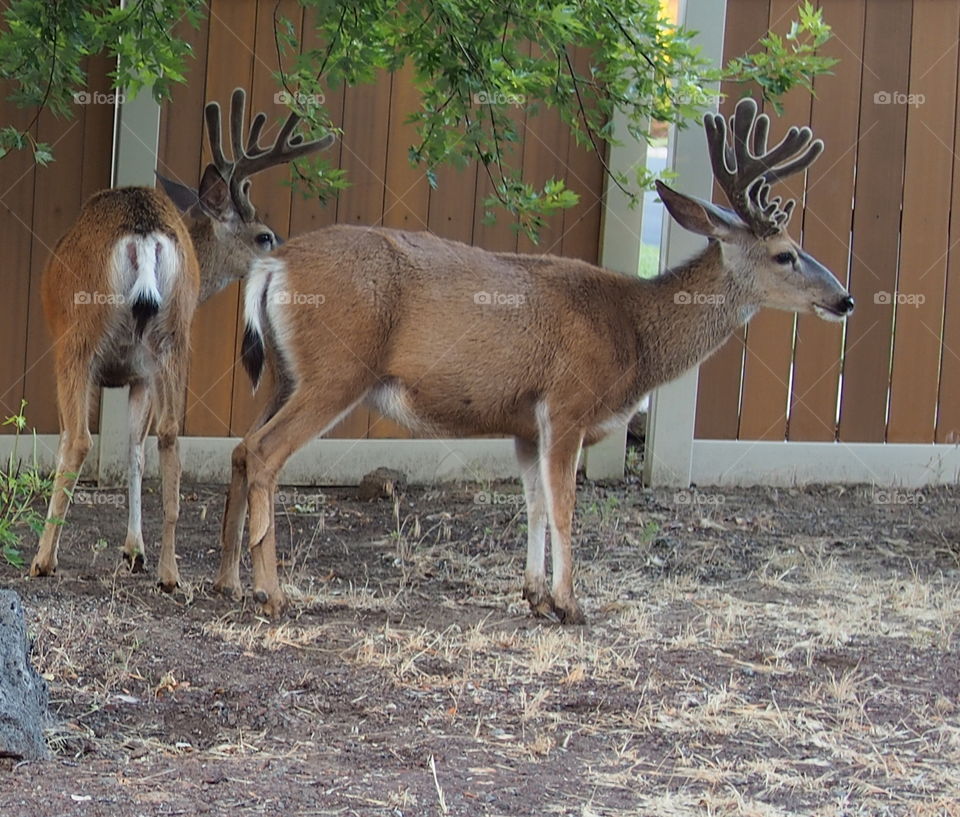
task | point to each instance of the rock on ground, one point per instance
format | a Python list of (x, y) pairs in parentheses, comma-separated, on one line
[(23, 693)]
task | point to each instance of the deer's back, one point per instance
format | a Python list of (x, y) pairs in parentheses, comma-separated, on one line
[(468, 338)]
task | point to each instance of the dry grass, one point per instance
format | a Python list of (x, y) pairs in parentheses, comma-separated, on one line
[(738, 662)]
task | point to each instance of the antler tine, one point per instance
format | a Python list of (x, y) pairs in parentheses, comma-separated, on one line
[(286, 148), (253, 141), (761, 129), (238, 104), (721, 155), (726, 163), (214, 135), (253, 157), (747, 169), (802, 162)]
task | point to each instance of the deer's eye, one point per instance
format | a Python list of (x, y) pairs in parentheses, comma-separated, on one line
[(265, 240), (785, 258)]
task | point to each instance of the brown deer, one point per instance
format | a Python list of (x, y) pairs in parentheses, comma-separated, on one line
[(119, 293), (554, 352)]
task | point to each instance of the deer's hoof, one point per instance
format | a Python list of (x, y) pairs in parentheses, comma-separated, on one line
[(42, 568), (229, 589), (271, 605), (540, 601), (135, 561), (570, 615)]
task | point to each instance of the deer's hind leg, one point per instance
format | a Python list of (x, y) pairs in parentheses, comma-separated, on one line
[(169, 399), (73, 405), (235, 509), (304, 416), (535, 589), (559, 450), (140, 411)]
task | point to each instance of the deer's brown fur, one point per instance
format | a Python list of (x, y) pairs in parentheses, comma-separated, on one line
[(119, 294), (456, 340)]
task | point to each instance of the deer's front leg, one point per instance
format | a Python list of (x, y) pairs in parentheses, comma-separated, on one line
[(559, 452), (535, 589)]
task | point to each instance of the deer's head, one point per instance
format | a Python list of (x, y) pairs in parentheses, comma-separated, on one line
[(227, 233), (770, 268)]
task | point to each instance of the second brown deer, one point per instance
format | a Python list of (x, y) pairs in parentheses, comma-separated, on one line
[(554, 352), (119, 293)]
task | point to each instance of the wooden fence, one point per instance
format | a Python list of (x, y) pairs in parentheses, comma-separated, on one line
[(37, 204), (879, 207), (878, 213), (235, 47)]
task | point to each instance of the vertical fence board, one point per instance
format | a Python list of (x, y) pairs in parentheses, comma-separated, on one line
[(926, 223), (501, 235), (181, 117), (308, 213), (366, 110), (948, 410), (230, 61), (718, 390), (876, 221), (406, 193), (769, 352), (97, 166), (270, 191), (16, 222), (57, 200), (180, 144), (544, 152), (827, 219), (584, 172), (453, 203)]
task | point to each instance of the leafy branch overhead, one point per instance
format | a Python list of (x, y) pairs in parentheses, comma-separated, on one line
[(471, 60)]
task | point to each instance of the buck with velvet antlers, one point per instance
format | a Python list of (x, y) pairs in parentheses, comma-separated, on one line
[(119, 293), (554, 352)]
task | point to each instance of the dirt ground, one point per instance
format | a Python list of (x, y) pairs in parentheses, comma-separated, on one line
[(748, 652)]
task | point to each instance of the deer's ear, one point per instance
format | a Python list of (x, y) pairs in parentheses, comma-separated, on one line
[(182, 196), (214, 195), (699, 216)]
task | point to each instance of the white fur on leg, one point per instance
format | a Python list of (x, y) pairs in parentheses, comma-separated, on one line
[(139, 415), (535, 574)]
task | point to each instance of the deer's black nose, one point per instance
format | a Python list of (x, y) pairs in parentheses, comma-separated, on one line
[(845, 305)]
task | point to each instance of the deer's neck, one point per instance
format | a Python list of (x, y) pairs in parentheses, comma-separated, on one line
[(218, 267), (688, 312)]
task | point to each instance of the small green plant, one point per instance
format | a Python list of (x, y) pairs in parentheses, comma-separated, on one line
[(22, 484)]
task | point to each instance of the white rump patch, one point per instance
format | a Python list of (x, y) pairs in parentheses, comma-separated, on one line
[(263, 273), (144, 267)]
